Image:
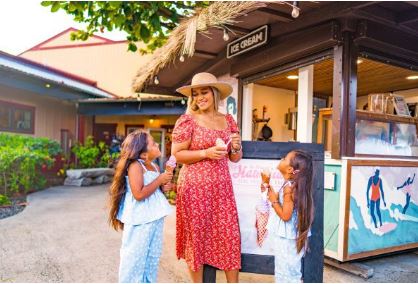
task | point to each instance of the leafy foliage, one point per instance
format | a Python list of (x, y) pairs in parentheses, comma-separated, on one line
[(146, 21), (21, 157), (4, 200), (91, 155)]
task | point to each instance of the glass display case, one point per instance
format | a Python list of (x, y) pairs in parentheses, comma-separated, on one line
[(385, 135), (377, 134)]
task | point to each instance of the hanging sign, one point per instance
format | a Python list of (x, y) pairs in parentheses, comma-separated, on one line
[(252, 40)]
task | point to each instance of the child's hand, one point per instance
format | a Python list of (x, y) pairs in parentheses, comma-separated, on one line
[(165, 177), (167, 187), (264, 187), (272, 196)]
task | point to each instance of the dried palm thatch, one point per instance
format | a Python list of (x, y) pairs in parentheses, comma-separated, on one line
[(183, 38)]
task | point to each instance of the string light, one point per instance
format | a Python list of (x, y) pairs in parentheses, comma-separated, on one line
[(295, 10), (156, 81), (225, 36)]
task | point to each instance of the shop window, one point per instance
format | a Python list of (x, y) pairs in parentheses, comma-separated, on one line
[(16, 118)]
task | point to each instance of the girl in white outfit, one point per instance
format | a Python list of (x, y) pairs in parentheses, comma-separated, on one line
[(293, 205)]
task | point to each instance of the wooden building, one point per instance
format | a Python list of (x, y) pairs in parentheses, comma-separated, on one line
[(322, 67)]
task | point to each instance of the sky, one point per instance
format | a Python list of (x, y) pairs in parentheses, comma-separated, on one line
[(25, 23)]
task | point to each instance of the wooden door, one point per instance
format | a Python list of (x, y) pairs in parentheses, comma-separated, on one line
[(104, 132)]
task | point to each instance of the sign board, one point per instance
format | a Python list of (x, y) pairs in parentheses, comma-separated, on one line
[(387, 219), (329, 180), (250, 41), (246, 181)]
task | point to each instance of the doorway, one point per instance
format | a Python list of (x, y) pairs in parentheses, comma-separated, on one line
[(159, 137)]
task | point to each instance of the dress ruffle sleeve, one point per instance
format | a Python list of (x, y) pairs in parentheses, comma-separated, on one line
[(183, 129), (233, 127)]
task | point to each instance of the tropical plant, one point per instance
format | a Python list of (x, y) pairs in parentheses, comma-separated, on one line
[(146, 21), (21, 158), (91, 155)]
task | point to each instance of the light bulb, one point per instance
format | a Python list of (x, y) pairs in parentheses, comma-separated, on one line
[(295, 12), (226, 36), (181, 58), (156, 81)]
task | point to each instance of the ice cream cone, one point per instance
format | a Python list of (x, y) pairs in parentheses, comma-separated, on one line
[(261, 226), (265, 177), (171, 164), (220, 142)]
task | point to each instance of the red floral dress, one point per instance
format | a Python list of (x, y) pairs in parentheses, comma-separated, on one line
[(207, 229)]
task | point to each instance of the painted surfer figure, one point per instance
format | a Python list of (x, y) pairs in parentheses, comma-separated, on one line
[(373, 201)]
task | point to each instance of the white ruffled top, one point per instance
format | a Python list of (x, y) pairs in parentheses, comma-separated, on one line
[(154, 207)]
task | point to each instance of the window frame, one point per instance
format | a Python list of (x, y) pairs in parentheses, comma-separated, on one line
[(21, 107)]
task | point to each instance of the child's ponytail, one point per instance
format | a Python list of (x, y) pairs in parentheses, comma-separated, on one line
[(303, 172)]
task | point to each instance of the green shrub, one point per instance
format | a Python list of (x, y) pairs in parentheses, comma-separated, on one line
[(4, 200), (21, 158), (91, 155)]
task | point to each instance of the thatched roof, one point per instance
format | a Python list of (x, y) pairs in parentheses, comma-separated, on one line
[(182, 39)]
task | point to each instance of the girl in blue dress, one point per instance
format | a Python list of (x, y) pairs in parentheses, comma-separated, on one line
[(291, 223), (138, 207)]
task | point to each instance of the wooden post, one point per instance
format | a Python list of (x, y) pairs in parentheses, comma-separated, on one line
[(239, 102), (305, 99), (344, 98), (247, 112)]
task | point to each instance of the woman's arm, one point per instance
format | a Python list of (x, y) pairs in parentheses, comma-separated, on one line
[(136, 182), (235, 144), (285, 211), (185, 156)]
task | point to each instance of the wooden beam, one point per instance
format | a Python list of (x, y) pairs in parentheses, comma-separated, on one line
[(160, 90), (383, 16), (407, 17), (277, 15), (387, 40), (207, 67), (355, 268), (204, 54), (413, 3), (285, 49), (238, 30), (319, 15), (344, 98)]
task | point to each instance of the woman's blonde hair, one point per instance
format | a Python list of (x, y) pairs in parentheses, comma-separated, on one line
[(192, 106)]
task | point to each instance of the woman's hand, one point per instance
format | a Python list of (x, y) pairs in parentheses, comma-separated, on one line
[(165, 177), (167, 187), (236, 141), (272, 195), (216, 152)]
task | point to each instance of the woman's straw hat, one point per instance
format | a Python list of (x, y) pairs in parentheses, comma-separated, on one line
[(206, 80)]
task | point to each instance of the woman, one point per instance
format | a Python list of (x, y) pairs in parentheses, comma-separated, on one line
[(207, 219)]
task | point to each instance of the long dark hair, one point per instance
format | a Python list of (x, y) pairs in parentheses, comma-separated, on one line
[(132, 147), (303, 171)]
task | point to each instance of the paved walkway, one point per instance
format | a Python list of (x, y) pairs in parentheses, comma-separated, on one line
[(62, 236)]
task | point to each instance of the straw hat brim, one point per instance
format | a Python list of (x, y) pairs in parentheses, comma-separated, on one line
[(224, 89)]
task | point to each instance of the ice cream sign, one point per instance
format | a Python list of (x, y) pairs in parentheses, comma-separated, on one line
[(253, 207), (252, 40)]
